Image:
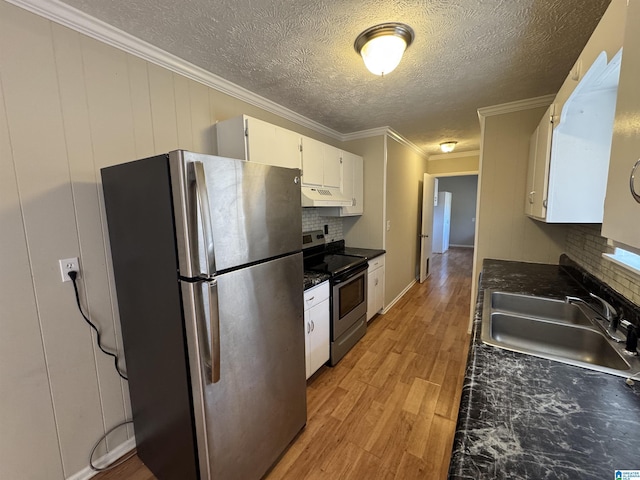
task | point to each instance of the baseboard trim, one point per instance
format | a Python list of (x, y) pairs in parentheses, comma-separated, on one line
[(400, 295), (110, 457), (460, 246)]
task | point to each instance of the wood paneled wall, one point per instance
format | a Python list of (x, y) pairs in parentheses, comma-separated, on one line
[(70, 105)]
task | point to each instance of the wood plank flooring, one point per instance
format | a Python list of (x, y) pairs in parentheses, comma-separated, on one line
[(388, 410)]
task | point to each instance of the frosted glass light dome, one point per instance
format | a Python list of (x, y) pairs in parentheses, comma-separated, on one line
[(382, 55), (382, 46)]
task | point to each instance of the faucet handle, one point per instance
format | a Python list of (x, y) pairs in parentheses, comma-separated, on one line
[(610, 313)]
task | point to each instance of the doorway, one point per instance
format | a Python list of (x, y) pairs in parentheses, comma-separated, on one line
[(460, 227)]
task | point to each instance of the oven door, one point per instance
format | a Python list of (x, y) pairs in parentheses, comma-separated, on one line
[(349, 297)]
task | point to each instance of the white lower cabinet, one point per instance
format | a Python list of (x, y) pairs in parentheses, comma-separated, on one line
[(316, 327), (375, 291)]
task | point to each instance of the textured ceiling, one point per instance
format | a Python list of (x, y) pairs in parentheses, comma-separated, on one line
[(467, 54)]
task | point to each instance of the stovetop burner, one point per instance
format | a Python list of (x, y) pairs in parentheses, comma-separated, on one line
[(318, 258), (334, 264)]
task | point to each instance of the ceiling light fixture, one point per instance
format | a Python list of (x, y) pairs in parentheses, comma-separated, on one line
[(382, 46), (448, 147)]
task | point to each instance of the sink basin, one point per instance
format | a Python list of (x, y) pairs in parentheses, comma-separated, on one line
[(552, 329), (556, 341), (539, 307)]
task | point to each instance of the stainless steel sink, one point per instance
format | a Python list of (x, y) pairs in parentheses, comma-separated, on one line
[(552, 329), (539, 307)]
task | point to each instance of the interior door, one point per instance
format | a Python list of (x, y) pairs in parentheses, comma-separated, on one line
[(426, 233)]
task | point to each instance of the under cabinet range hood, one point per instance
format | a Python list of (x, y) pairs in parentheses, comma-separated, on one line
[(324, 197)]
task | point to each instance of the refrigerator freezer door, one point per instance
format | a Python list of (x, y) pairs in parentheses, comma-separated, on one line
[(254, 212), (254, 411)]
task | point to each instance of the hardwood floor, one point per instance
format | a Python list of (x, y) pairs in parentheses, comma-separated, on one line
[(388, 410)]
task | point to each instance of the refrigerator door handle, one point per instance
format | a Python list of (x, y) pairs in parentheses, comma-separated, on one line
[(203, 202), (214, 318)]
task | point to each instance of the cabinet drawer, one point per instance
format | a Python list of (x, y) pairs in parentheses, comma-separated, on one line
[(376, 263), (315, 295)]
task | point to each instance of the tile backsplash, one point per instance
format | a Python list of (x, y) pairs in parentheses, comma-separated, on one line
[(585, 246), (312, 219)]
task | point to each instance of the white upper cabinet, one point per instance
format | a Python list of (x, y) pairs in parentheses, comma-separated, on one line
[(622, 211), (569, 150), (312, 162), (607, 37), (352, 187), (538, 168), (321, 164), (250, 139), (332, 164)]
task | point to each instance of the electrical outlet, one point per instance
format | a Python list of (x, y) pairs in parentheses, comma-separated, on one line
[(67, 265), (388, 225)]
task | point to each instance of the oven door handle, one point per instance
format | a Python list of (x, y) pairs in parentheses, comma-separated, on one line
[(350, 274)]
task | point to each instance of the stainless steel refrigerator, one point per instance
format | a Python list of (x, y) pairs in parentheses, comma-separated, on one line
[(208, 271)]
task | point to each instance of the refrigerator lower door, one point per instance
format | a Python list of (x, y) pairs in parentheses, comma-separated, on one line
[(246, 419)]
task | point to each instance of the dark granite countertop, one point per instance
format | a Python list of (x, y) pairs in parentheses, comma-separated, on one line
[(529, 418), (340, 248), (311, 279), (368, 253)]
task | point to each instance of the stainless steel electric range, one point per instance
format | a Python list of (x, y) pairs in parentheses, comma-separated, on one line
[(348, 280)]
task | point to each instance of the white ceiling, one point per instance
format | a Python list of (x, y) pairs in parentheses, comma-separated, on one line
[(467, 54)]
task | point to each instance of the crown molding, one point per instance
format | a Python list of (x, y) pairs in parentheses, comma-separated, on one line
[(81, 22), (400, 139), (372, 132), (543, 101), (446, 156), (380, 131)]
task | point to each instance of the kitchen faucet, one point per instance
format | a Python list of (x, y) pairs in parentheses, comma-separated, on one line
[(609, 313)]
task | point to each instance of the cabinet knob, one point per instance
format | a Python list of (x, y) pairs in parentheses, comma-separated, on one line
[(632, 182)]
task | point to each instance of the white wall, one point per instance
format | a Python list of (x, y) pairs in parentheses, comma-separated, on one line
[(405, 173), (367, 230)]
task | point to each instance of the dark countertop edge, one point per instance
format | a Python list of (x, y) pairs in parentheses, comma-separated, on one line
[(368, 253)]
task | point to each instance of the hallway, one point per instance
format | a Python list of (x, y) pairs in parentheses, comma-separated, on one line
[(388, 410)]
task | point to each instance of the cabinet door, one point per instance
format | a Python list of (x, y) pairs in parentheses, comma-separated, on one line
[(531, 166), (318, 336), (352, 182), (287, 149), (542, 155), (371, 295), (332, 161), (260, 141), (312, 161), (272, 145), (307, 346), (621, 211), (375, 292)]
